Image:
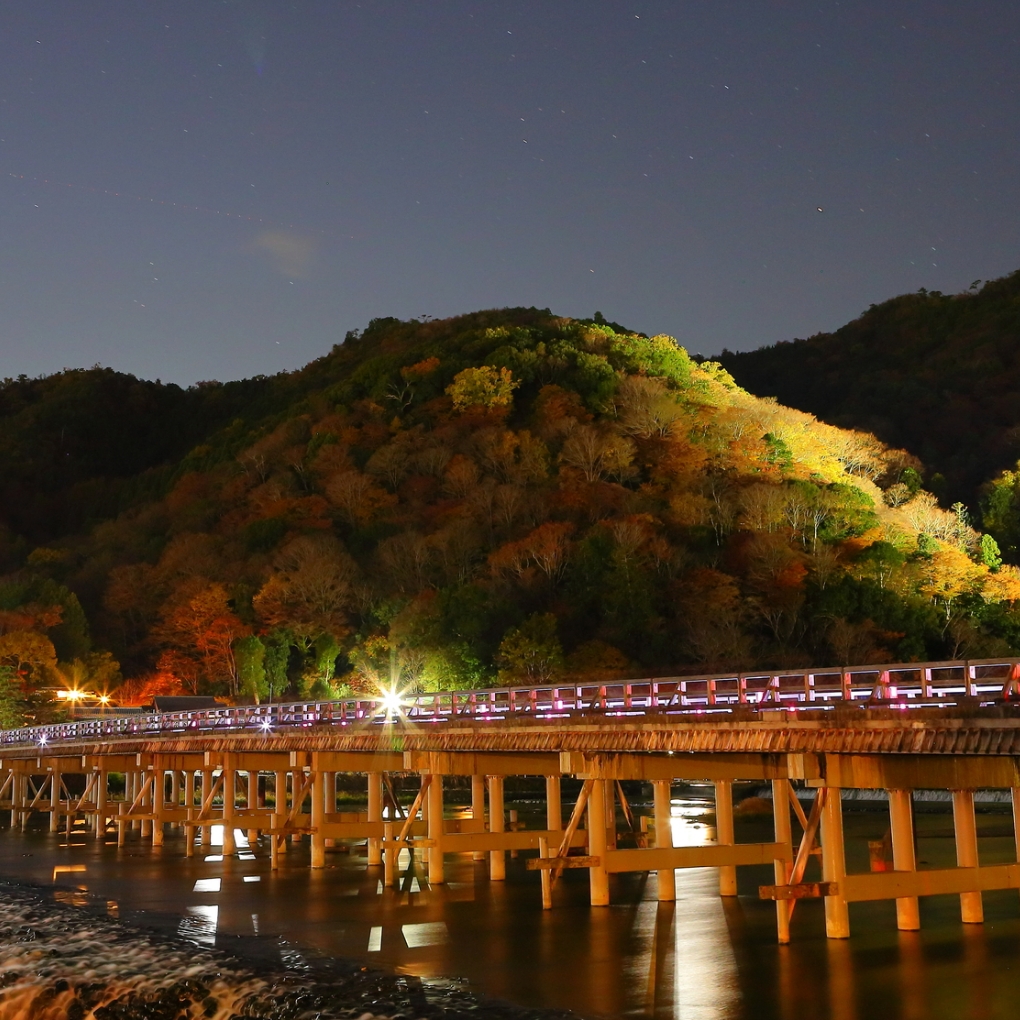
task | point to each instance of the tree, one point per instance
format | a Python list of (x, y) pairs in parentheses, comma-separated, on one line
[(485, 387), (12, 704), (530, 653), (250, 656)]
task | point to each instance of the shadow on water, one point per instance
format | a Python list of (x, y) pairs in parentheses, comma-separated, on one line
[(700, 958)]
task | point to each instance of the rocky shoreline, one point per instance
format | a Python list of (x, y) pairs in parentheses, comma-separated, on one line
[(72, 962)]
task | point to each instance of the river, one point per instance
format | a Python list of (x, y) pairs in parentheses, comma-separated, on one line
[(702, 958)]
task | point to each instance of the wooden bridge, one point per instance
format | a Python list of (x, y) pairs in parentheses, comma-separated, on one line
[(270, 771)]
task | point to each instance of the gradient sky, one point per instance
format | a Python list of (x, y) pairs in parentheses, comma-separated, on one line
[(209, 190)]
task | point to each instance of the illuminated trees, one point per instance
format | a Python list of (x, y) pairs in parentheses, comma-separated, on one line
[(482, 387), (530, 653)]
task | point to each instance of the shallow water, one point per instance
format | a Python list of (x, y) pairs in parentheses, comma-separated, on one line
[(703, 958)]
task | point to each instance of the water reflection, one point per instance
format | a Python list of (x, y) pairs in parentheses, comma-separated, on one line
[(702, 957)]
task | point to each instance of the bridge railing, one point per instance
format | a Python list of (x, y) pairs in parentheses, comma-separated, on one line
[(903, 685)]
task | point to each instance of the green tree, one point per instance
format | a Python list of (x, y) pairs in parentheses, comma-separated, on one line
[(12, 708), (482, 387), (250, 659), (531, 653)]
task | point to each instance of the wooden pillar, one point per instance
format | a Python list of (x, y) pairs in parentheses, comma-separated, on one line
[(724, 833), (782, 869), (1015, 796), (280, 810), (206, 829), (478, 808), (318, 819), (553, 804), (158, 804), (434, 794), (389, 855), (664, 837), (19, 788), (598, 877), (837, 914), (497, 823), (901, 823), (229, 801), (148, 798), (189, 789), (175, 792), (375, 792), (54, 801), (965, 824), (610, 814)]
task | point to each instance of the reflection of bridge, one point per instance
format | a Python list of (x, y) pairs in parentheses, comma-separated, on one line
[(270, 770)]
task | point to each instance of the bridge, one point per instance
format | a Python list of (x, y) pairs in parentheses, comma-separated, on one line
[(269, 772)]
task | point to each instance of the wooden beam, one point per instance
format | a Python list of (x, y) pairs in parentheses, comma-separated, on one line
[(696, 766), (357, 761), (559, 863), (799, 891), (471, 763), (921, 771), (891, 885), (716, 856)]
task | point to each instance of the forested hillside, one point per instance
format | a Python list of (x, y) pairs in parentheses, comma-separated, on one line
[(503, 497), (938, 374)]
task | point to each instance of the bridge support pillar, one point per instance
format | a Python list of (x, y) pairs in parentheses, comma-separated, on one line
[(725, 833), (837, 914), (901, 824), (782, 869), (205, 832), (437, 874), (375, 791), (18, 786), (478, 808), (229, 800), (553, 804), (664, 838), (148, 798), (598, 877), (175, 792), (158, 805), (497, 823), (280, 811), (130, 793), (318, 819), (54, 801), (965, 825)]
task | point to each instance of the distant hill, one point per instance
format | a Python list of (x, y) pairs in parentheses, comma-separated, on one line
[(936, 373), (502, 497)]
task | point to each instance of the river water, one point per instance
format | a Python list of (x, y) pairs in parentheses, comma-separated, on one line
[(702, 958)]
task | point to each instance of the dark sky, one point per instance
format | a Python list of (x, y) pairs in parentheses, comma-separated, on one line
[(200, 189)]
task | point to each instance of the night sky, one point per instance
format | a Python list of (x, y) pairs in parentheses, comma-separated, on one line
[(208, 190)]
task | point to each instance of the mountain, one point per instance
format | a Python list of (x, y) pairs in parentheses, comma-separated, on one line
[(502, 497), (936, 373)]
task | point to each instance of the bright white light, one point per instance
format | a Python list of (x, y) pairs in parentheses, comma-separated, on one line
[(266, 725), (43, 739), (391, 702)]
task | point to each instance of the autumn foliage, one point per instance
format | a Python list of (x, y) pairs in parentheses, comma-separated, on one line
[(508, 497)]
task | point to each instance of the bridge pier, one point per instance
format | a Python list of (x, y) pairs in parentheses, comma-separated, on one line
[(437, 873), (724, 834), (478, 808), (782, 867), (375, 798), (965, 826), (598, 877), (901, 824), (229, 804), (666, 876), (497, 823), (837, 914)]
